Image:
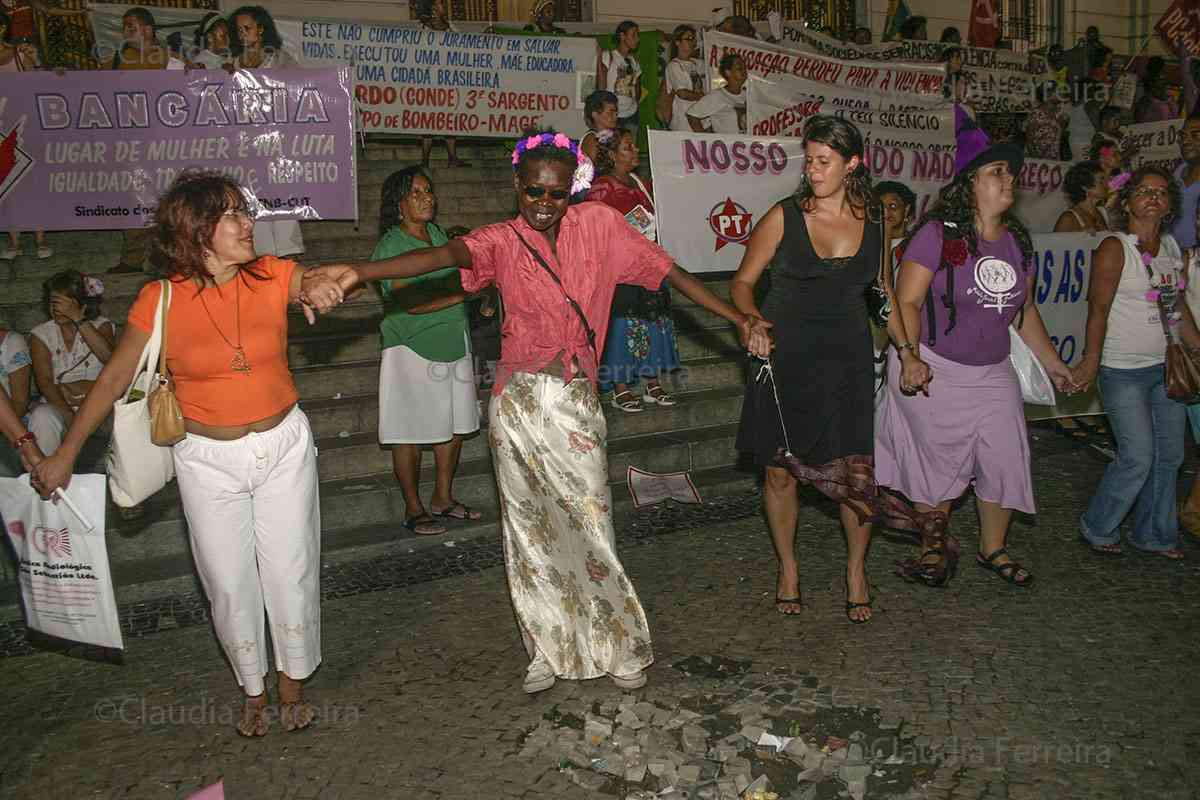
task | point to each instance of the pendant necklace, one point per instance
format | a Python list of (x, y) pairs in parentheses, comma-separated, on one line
[(239, 363)]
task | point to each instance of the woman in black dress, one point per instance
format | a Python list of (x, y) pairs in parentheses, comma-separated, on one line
[(824, 244)]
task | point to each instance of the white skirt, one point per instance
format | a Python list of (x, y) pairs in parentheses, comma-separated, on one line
[(423, 401)]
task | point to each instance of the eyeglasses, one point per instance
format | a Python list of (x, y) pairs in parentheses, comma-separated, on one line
[(687, 38), (1149, 192), (896, 206), (240, 213), (534, 192)]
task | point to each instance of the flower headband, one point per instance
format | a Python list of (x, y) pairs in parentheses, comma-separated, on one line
[(584, 171), (92, 286)]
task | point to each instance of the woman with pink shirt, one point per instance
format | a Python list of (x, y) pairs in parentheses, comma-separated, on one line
[(556, 266)]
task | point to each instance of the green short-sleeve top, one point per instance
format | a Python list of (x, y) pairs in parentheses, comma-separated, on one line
[(436, 336)]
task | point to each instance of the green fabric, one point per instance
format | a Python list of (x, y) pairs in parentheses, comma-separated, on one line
[(437, 336)]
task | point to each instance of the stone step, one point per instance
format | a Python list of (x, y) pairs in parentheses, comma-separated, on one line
[(376, 499)]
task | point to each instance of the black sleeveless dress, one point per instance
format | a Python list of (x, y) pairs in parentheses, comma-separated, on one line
[(823, 355)]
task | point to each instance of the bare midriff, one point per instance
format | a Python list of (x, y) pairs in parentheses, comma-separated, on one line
[(230, 432)]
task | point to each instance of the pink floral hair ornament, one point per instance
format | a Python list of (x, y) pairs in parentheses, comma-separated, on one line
[(584, 170), (1117, 181), (92, 286)]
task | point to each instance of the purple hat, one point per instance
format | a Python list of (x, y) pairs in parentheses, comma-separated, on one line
[(975, 147)]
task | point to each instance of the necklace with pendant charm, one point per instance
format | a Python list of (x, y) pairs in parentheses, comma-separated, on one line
[(239, 363)]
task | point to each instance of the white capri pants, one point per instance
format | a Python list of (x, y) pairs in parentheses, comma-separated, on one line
[(49, 426), (254, 520)]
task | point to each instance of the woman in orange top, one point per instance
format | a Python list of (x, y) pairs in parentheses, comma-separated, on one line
[(247, 470)]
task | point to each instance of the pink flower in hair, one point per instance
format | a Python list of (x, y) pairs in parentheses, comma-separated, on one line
[(1153, 295), (562, 140), (533, 141)]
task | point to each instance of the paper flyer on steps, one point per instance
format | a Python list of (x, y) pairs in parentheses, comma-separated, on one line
[(648, 488)]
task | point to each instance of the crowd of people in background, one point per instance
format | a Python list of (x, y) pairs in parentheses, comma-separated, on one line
[(586, 294)]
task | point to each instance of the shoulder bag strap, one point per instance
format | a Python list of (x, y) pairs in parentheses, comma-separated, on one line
[(164, 306), (587, 329), (153, 347)]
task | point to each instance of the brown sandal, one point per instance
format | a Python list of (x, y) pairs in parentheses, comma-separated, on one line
[(296, 716), (255, 720)]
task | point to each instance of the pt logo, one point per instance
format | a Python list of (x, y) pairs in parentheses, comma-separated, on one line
[(730, 222), (13, 160)]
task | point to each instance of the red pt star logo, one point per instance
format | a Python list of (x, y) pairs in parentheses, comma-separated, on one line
[(730, 222)]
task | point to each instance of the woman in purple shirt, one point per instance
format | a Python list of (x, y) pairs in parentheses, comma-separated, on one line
[(966, 276)]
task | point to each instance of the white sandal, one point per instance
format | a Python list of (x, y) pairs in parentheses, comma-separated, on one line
[(630, 405), (663, 398)]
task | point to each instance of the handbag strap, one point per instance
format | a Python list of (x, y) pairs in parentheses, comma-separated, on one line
[(587, 329), (163, 307), (767, 370), (153, 348), (1162, 309)]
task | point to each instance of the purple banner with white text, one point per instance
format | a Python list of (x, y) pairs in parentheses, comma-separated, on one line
[(94, 150)]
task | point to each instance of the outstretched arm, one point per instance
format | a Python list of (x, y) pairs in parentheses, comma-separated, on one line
[(700, 294), (409, 265)]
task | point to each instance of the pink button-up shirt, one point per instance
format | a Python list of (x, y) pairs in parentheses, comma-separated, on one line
[(597, 249)]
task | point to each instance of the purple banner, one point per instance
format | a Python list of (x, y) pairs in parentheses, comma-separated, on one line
[(94, 150)]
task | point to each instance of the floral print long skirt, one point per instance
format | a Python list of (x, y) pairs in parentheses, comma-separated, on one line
[(572, 598)]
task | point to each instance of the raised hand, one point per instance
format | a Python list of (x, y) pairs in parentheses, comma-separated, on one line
[(65, 306)]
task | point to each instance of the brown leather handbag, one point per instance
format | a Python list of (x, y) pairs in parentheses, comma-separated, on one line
[(166, 418), (1182, 366)]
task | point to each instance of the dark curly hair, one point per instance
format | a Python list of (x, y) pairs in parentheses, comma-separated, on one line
[(69, 282), (1080, 179), (270, 34), (1120, 212), (596, 101), (606, 149), (955, 204), (186, 218), (844, 139), (396, 188), (678, 33), (726, 63)]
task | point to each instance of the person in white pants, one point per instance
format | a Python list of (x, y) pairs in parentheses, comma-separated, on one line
[(247, 467)]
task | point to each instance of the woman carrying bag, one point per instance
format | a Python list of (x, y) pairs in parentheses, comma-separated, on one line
[(247, 467)]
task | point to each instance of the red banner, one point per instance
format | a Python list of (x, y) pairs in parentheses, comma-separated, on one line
[(1180, 26)]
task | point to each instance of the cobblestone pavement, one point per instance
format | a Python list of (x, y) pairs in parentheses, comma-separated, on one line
[(1080, 686)]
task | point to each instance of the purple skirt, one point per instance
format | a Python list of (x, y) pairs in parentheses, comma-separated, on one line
[(971, 428)]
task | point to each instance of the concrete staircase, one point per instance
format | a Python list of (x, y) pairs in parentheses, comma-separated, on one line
[(336, 366)]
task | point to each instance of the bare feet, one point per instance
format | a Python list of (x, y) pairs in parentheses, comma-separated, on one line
[(254, 721), (787, 592), (294, 713)]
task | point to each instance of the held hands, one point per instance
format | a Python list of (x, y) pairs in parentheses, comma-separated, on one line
[(1084, 373), (321, 291), (53, 472), (754, 332), (1062, 377), (915, 374), (31, 456)]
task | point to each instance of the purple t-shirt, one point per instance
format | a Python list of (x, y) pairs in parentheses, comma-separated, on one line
[(989, 289)]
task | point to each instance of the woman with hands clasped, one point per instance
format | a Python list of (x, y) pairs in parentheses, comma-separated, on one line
[(1137, 282), (965, 277), (823, 365), (247, 469)]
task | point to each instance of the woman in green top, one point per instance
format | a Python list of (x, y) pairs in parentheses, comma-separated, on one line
[(427, 391)]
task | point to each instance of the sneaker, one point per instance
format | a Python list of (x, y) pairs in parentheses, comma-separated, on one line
[(661, 398), (8, 253), (44, 251), (539, 677), (634, 680)]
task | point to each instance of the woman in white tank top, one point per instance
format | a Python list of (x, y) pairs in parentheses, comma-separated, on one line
[(1137, 279)]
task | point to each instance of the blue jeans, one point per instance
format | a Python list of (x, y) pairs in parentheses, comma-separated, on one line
[(1149, 431)]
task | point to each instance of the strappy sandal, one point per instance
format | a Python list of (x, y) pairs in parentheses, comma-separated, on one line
[(461, 512), (424, 525), (1008, 572), (851, 605), (936, 574), (782, 602), (656, 395), (627, 402)]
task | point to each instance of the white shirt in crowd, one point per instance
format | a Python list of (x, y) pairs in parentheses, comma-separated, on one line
[(687, 75), (1135, 336), (78, 363), (622, 75), (720, 109), (14, 355)]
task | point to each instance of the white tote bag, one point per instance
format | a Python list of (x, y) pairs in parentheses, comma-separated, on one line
[(66, 585), (1036, 387), (137, 468)]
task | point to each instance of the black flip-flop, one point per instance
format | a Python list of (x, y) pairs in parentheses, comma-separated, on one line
[(423, 519), (465, 516)]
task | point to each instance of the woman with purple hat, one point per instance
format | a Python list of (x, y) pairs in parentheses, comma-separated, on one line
[(965, 277)]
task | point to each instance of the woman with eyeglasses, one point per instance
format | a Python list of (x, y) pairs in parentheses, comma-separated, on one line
[(247, 469), (1137, 282), (556, 266), (685, 76)]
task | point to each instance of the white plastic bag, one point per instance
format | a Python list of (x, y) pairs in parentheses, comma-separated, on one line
[(1036, 387), (62, 559)]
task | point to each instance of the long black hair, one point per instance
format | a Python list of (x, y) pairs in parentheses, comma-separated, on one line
[(845, 140), (395, 188), (956, 205)]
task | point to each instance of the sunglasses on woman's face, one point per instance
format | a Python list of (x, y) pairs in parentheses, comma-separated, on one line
[(534, 192)]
